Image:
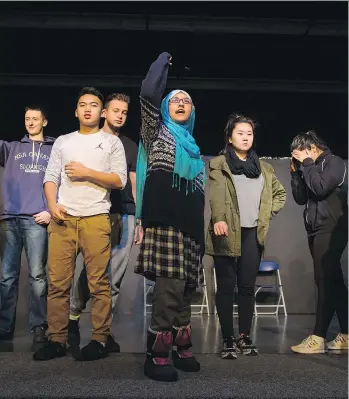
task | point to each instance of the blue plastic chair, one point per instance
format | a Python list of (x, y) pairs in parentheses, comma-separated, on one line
[(267, 266)]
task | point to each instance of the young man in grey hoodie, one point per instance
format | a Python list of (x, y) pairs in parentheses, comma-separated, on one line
[(23, 223)]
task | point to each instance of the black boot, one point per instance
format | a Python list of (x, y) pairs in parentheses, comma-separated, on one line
[(157, 366), (183, 358), (39, 334), (73, 333)]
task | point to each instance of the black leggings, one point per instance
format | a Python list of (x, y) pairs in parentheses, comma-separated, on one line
[(243, 270), (326, 250)]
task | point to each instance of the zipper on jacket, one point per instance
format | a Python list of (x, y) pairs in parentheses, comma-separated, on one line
[(306, 212)]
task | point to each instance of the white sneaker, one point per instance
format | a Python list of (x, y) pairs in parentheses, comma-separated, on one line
[(339, 343), (311, 345)]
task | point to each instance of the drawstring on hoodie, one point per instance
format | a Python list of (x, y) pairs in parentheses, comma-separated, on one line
[(33, 155)]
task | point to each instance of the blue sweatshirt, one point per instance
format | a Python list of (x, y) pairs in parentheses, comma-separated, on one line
[(25, 164)]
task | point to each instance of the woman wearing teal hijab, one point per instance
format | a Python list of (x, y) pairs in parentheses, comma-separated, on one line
[(170, 204)]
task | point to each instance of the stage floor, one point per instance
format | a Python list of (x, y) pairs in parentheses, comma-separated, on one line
[(275, 373), (272, 335)]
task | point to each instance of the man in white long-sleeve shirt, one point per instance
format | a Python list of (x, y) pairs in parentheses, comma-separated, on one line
[(83, 167)]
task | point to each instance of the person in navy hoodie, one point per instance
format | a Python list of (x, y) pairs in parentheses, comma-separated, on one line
[(23, 223)]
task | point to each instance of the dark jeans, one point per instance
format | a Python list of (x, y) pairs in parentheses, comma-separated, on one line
[(17, 233), (243, 271), (326, 250), (171, 304)]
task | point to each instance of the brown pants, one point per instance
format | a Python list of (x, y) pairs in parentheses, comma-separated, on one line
[(91, 236)]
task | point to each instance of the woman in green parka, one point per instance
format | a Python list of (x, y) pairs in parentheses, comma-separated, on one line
[(244, 196)]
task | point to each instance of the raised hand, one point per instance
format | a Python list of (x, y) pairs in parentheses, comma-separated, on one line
[(301, 155)]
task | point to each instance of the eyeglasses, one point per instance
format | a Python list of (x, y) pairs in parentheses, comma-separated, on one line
[(176, 100)]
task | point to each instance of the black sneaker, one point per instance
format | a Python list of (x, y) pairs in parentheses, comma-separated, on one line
[(92, 351), (39, 335), (73, 333), (50, 351), (112, 345), (246, 347), (229, 350)]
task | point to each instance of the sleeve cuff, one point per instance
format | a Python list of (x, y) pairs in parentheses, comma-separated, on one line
[(307, 162), (220, 218)]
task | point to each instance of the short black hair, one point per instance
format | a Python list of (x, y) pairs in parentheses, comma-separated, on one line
[(233, 120), (117, 96), (34, 107), (91, 90), (305, 140)]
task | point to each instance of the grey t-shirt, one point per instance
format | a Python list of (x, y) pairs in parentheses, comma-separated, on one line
[(248, 192)]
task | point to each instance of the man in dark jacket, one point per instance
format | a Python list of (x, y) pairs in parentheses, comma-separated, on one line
[(319, 181)]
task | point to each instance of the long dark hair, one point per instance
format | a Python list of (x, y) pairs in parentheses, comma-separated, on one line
[(233, 120), (305, 140)]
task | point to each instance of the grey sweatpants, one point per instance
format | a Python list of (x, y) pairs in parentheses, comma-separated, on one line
[(122, 234)]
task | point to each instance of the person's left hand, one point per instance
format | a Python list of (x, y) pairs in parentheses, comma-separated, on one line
[(76, 170), (138, 236), (301, 155), (42, 217)]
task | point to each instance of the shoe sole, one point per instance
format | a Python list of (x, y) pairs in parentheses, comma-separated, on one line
[(80, 358), (337, 349), (229, 356), (248, 352), (312, 352), (50, 358), (174, 379)]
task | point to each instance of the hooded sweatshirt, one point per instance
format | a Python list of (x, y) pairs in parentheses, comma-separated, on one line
[(25, 164)]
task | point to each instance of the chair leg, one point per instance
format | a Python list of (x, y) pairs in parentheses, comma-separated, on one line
[(145, 296), (203, 297), (282, 293), (215, 289), (255, 300), (206, 301)]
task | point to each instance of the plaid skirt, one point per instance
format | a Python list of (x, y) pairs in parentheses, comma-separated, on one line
[(167, 252)]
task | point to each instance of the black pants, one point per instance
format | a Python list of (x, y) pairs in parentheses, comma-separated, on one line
[(326, 250), (243, 270), (171, 304)]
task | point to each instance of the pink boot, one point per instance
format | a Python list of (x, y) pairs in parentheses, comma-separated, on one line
[(183, 358), (157, 366)]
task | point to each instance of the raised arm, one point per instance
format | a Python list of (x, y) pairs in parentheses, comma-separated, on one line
[(152, 90), (299, 188), (322, 184)]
